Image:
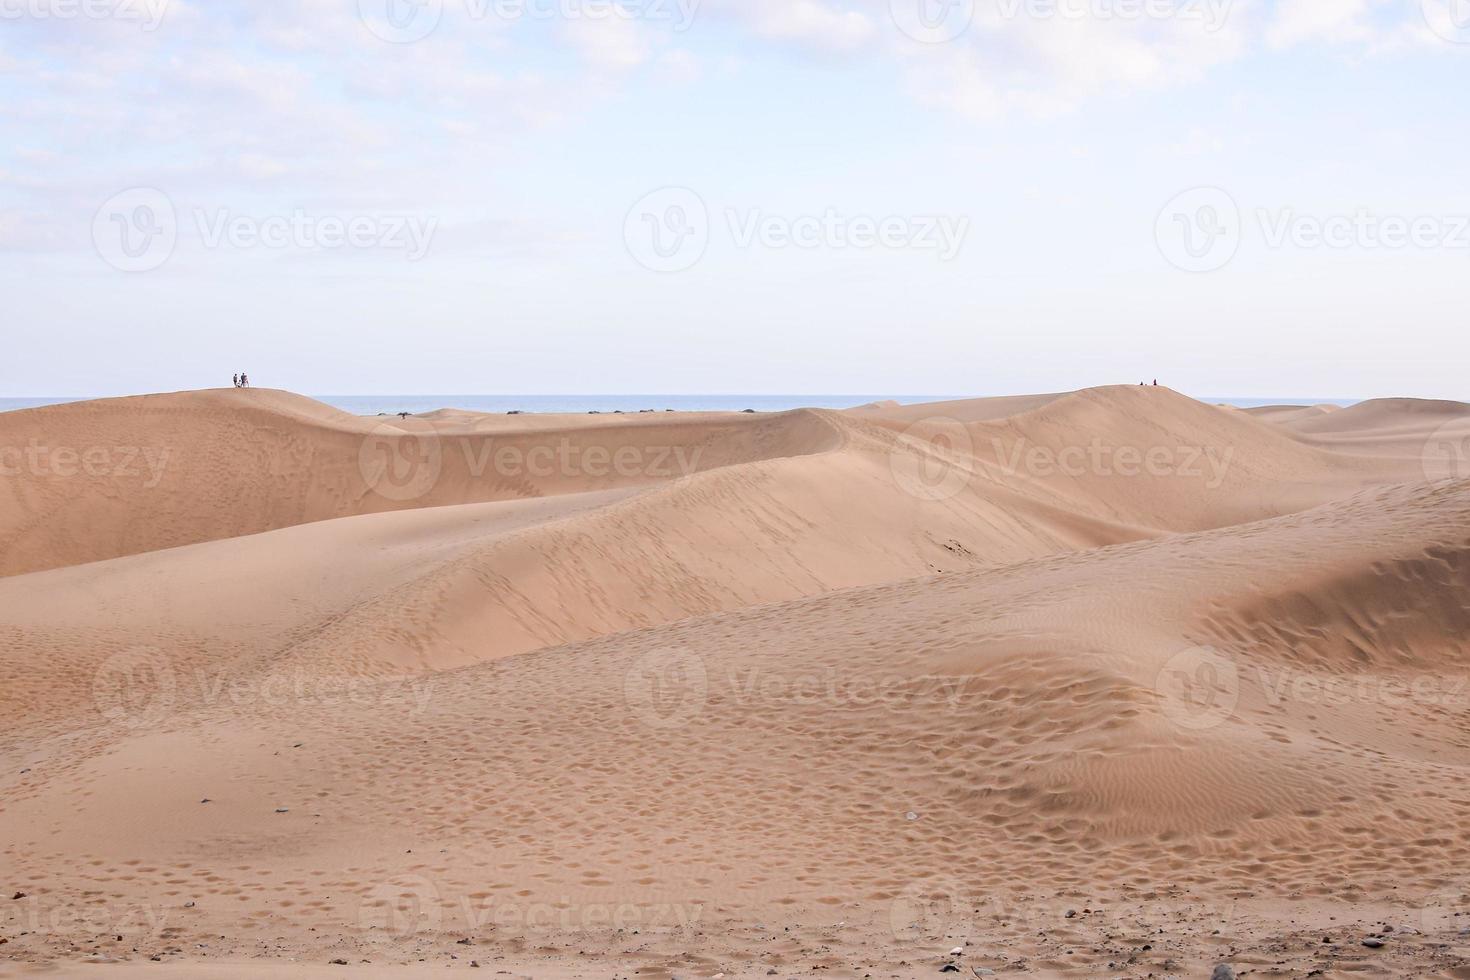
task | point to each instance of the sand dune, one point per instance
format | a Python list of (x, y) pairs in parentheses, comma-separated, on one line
[(1435, 435), (98, 480), (1110, 682), (1288, 414)]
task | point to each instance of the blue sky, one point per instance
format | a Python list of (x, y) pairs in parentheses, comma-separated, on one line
[(501, 172)]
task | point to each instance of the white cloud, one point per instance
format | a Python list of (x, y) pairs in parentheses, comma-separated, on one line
[(1197, 142), (296, 98), (258, 166), (608, 43), (1052, 64), (680, 66), (1357, 27), (32, 231), (809, 22), (1032, 56), (1336, 21)]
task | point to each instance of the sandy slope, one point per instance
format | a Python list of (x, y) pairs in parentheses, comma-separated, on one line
[(95, 480), (854, 689), (1436, 434)]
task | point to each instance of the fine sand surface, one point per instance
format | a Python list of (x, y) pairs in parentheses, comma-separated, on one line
[(1105, 683)]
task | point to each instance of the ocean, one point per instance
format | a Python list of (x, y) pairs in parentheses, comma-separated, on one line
[(578, 404)]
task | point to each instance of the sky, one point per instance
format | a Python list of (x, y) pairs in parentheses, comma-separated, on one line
[(1236, 197)]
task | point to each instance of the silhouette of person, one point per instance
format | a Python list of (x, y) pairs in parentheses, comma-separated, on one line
[(237, 381)]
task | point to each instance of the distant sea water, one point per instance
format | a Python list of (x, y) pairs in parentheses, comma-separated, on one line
[(578, 404), (581, 404)]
